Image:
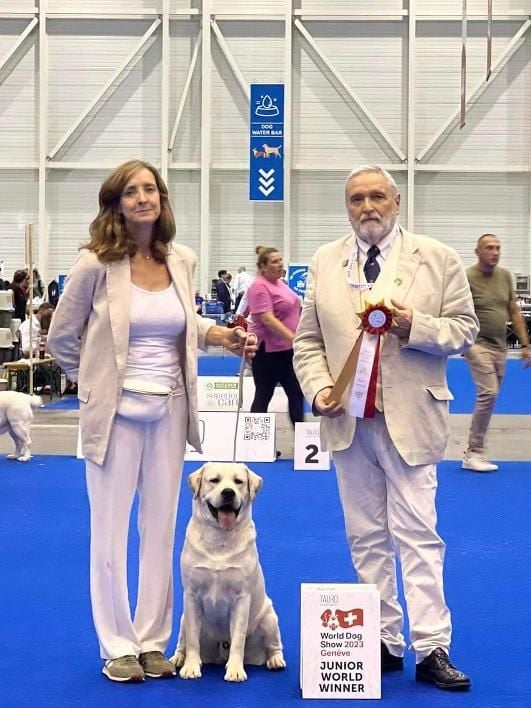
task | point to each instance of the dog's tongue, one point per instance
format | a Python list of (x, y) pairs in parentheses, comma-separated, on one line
[(226, 519)]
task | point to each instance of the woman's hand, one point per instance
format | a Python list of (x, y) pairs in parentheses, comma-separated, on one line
[(240, 342)]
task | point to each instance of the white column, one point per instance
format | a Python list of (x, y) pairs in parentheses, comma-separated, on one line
[(43, 141), (206, 123)]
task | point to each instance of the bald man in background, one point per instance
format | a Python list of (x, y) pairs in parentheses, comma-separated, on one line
[(495, 304)]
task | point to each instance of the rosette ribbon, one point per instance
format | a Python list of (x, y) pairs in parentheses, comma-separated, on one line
[(361, 366)]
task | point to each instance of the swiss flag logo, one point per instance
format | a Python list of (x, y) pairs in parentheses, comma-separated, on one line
[(342, 618)]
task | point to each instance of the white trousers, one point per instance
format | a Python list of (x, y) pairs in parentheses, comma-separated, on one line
[(148, 458), (389, 510)]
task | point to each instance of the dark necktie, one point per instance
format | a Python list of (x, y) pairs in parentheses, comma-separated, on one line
[(372, 267)]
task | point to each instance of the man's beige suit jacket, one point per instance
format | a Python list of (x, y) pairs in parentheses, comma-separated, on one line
[(431, 280)]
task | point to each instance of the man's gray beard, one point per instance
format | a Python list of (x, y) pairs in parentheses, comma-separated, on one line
[(374, 239)]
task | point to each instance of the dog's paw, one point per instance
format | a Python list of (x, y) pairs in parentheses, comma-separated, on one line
[(190, 670), (235, 671), (12, 456), (276, 662), (23, 458), (178, 659)]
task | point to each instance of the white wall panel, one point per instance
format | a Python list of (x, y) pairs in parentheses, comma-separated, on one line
[(340, 6), (238, 225), (18, 94), (327, 125), (187, 147), (496, 131), (82, 58), (474, 7), (329, 134), (17, 5), (184, 195), (249, 6), (18, 207), (72, 204), (458, 208), (100, 6)]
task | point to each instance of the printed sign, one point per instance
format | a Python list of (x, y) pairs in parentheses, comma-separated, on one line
[(266, 145), (340, 641), (308, 454), (255, 443), (220, 393), (297, 276)]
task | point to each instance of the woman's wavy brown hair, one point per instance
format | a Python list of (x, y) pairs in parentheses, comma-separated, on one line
[(109, 238)]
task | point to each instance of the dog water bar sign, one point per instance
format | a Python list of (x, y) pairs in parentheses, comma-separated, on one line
[(266, 148), (340, 641)]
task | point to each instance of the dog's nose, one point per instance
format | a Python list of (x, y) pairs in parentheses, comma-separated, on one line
[(228, 494)]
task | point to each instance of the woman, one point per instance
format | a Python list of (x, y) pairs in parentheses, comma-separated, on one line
[(19, 287), (275, 311), (126, 330)]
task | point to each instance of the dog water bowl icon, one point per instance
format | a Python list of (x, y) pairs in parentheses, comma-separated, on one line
[(267, 109)]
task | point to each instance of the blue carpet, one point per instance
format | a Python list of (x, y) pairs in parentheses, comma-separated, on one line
[(50, 651), (514, 397)]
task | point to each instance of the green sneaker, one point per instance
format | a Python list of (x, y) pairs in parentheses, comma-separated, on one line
[(124, 668), (156, 665)]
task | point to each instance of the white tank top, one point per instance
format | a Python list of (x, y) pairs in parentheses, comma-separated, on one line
[(157, 319)]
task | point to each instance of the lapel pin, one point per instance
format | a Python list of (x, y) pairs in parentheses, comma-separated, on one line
[(398, 281)]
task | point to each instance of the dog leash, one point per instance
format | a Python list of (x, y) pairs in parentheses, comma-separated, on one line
[(240, 396)]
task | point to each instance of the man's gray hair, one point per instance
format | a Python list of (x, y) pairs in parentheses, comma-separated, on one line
[(373, 168)]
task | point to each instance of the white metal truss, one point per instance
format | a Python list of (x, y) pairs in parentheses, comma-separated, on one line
[(478, 89), (186, 89), (109, 86), (357, 100), (19, 41), (407, 161)]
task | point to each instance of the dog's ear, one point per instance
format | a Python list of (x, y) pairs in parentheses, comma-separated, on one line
[(254, 481), (194, 480)]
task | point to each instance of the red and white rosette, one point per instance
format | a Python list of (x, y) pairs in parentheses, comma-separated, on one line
[(376, 320)]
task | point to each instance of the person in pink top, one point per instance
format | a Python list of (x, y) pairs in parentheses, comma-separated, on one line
[(275, 311)]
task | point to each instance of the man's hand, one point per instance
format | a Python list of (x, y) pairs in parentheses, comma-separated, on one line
[(240, 342), (330, 409), (402, 319), (526, 357)]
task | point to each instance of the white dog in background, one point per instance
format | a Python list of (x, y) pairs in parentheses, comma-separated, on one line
[(227, 616), (15, 418)]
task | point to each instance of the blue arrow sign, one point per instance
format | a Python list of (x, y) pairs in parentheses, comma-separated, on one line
[(266, 145)]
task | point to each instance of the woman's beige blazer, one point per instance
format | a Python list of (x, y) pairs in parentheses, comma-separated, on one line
[(89, 337)]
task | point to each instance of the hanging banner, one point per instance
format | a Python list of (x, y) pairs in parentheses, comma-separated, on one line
[(463, 66), (266, 157)]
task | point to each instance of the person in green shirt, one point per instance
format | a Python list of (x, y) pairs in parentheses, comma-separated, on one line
[(495, 304)]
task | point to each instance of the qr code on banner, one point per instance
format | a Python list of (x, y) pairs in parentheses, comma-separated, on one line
[(257, 427)]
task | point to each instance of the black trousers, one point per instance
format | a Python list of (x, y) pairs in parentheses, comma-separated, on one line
[(270, 368)]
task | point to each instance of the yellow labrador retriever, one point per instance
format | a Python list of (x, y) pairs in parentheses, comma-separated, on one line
[(227, 616)]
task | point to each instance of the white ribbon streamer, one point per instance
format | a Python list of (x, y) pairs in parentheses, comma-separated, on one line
[(362, 376)]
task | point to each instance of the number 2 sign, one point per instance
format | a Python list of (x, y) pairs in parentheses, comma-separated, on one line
[(308, 454)]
